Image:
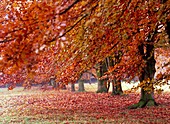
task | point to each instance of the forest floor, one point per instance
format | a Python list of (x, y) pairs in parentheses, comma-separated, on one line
[(36, 106)]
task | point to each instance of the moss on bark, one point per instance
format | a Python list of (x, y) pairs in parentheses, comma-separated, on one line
[(147, 99)]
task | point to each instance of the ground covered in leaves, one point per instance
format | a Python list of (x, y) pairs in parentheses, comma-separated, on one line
[(63, 107)]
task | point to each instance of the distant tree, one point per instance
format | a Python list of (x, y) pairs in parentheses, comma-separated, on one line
[(73, 87)]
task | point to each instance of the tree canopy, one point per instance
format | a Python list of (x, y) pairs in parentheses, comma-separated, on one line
[(64, 38)]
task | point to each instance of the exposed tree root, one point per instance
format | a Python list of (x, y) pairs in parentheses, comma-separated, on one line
[(102, 90), (117, 93), (143, 103)]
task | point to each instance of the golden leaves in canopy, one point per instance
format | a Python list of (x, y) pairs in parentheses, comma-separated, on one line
[(93, 30)]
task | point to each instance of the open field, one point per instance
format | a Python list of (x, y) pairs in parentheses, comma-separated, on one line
[(63, 107)]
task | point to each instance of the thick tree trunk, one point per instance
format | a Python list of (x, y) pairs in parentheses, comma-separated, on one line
[(116, 87), (102, 82), (147, 78), (81, 85), (102, 87), (73, 87), (147, 99)]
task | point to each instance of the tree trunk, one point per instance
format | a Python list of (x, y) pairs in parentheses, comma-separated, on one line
[(147, 78), (102, 87), (81, 85), (146, 99), (167, 28), (102, 82), (116, 87), (73, 87), (108, 86), (53, 83)]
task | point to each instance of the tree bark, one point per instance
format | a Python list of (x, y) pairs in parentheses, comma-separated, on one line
[(102, 87), (73, 87), (102, 82), (116, 84), (53, 83), (167, 28), (147, 78), (81, 85), (117, 87)]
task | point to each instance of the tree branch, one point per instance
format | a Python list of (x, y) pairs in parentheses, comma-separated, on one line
[(85, 15), (69, 7)]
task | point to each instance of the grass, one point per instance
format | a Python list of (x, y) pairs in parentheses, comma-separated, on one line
[(63, 107)]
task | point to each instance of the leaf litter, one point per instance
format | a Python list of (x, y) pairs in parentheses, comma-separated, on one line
[(87, 107)]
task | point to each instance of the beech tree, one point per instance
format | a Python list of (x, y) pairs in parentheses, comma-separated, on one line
[(78, 34), (104, 83)]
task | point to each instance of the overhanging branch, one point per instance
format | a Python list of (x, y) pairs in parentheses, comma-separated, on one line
[(69, 7)]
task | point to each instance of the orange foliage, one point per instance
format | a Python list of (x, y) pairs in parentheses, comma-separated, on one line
[(40, 39)]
